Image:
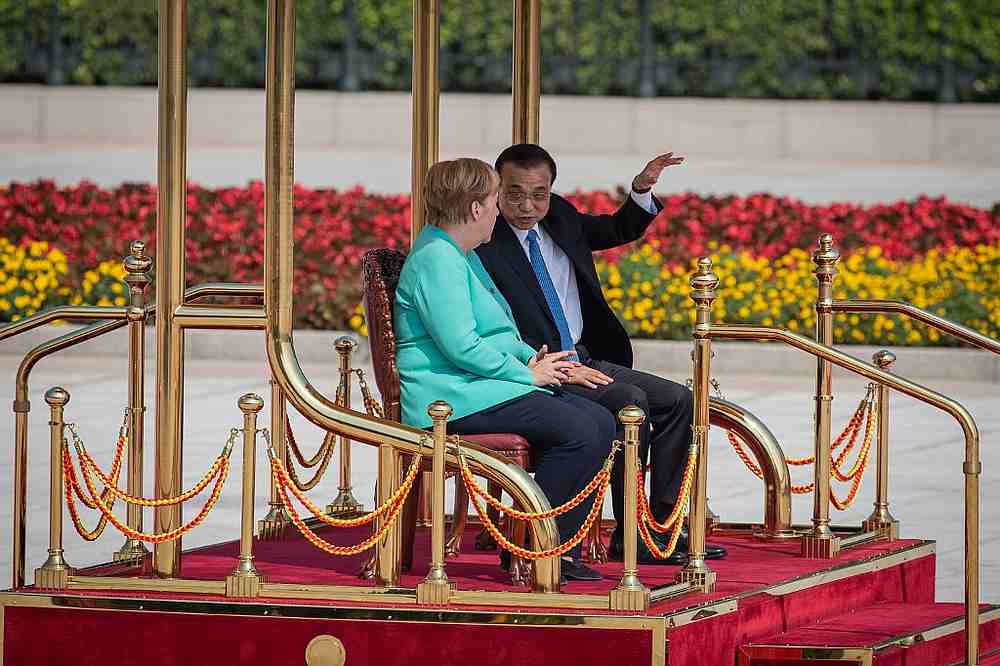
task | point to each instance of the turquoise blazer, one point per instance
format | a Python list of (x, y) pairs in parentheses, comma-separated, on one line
[(455, 334)]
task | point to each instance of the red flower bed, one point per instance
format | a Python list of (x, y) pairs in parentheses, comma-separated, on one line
[(769, 226), (333, 229)]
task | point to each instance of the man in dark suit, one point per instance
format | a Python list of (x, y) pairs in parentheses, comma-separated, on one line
[(541, 258)]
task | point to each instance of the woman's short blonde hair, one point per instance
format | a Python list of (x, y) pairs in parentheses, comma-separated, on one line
[(453, 185)]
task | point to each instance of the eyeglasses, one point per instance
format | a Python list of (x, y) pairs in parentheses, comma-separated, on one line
[(517, 198)]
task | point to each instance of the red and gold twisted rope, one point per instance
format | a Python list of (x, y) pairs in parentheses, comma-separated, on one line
[(165, 536), (319, 542), (555, 551), (87, 465), (72, 486), (280, 474)]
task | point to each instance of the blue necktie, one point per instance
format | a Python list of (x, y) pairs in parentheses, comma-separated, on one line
[(549, 290)]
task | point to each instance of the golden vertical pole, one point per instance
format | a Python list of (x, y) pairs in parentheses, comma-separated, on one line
[(21, 407), (54, 574), (137, 266), (821, 541), (245, 581), (345, 502), (703, 284), (426, 91), (389, 551), (170, 211), (435, 588), (631, 594), (526, 78), (880, 519), (272, 526)]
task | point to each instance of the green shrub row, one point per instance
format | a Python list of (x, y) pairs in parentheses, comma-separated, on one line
[(946, 50)]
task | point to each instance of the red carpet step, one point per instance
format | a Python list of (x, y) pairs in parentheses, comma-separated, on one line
[(884, 634)]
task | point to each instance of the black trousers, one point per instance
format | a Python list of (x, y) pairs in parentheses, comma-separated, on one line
[(570, 436), (665, 436)]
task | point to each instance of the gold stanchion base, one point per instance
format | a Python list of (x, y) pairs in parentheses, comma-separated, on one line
[(272, 526), (820, 547), (434, 593), (701, 578), (243, 584), (52, 578), (133, 551), (888, 530), (629, 599), (344, 504)]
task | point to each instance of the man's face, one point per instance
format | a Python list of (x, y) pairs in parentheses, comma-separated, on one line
[(524, 194)]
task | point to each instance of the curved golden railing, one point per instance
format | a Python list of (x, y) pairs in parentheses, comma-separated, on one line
[(972, 465), (393, 439), (115, 318), (770, 458), (963, 333)]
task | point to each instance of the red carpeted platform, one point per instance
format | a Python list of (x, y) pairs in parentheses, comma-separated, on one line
[(764, 591)]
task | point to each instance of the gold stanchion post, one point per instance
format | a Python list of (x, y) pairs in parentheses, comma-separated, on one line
[(426, 93), (54, 574), (880, 519), (526, 76), (436, 588), (245, 581), (631, 594), (272, 526), (821, 542), (345, 502), (697, 571), (137, 266)]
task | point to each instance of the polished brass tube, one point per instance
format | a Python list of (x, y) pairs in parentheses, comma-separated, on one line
[(272, 526), (245, 581), (278, 251), (821, 541), (880, 519), (426, 93), (963, 333), (972, 466), (436, 588), (631, 594), (219, 317), (345, 502), (170, 216), (137, 266), (696, 571), (86, 312), (770, 458), (54, 573), (526, 79), (20, 505)]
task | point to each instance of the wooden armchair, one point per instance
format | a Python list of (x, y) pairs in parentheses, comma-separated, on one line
[(381, 269)]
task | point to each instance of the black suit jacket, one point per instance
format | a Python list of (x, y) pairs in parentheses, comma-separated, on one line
[(579, 235)]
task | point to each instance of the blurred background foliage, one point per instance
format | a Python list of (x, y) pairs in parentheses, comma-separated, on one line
[(924, 50)]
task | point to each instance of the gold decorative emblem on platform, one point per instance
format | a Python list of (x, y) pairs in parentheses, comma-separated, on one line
[(325, 650)]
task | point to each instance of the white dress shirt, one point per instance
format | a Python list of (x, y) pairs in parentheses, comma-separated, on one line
[(561, 271)]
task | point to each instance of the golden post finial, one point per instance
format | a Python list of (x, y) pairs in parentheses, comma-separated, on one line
[(345, 344), (631, 415), (57, 396), (825, 257), (251, 403), (439, 409), (883, 359)]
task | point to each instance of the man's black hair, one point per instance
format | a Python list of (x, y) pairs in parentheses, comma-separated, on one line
[(526, 156)]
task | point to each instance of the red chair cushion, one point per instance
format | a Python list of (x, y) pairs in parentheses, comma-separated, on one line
[(508, 445)]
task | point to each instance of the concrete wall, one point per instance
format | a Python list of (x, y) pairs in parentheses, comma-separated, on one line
[(478, 124)]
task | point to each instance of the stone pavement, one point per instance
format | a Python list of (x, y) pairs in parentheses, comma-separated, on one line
[(926, 482), (389, 172)]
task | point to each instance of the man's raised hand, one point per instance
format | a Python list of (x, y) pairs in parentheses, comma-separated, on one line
[(651, 172)]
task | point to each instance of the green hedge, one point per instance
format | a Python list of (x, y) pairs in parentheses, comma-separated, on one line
[(852, 49)]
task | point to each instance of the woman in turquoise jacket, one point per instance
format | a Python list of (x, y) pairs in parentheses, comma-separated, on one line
[(457, 341)]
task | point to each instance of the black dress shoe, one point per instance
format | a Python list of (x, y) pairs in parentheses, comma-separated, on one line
[(712, 552), (577, 570), (616, 552)]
